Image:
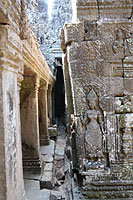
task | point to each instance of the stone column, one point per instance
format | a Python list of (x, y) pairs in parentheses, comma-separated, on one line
[(53, 105), (11, 176), (50, 103), (30, 123), (44, 136)]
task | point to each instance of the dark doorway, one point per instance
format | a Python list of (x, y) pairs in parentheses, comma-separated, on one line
[(59, 93)]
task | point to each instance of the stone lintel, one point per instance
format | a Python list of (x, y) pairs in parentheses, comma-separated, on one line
[(10, 49)]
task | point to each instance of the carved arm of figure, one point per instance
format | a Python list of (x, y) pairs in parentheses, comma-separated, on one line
[(84, 119)]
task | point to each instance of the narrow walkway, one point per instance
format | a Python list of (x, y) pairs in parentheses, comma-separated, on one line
[(50, 184)]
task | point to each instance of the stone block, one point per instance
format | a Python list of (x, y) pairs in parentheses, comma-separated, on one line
[(90, 30), (84, 51), (115, 9), (59, 151), (126, 120), (55, 195), (87, 10), (52, 132), (48, 167), (128, 85), (93, 68), (128, 67), (46, 180), (74, 32), (33, 191), (124, 104), (47, 158), (62, 40), (114, 69), (117, 86), (49, 149)]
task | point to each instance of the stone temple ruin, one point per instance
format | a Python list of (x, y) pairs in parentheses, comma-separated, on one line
[(75, 142)]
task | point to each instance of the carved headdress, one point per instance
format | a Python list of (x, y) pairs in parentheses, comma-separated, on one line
[(92, 95)]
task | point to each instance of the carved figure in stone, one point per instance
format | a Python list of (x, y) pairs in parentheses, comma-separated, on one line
[(118, 45), (129, 45), (93, 133)]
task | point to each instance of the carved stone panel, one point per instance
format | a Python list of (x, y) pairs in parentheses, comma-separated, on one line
[(93, 136)]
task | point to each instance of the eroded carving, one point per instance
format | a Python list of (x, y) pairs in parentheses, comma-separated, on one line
[(124, 104), (118, 45), (126, 132), (93, 132), (90, 30)]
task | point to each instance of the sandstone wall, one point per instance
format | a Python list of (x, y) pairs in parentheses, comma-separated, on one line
[(98, 62), (19, 54)]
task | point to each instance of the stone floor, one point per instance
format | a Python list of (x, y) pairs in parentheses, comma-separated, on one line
[(47, 186), (53, 181)]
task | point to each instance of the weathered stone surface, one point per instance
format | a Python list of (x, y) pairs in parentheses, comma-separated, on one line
[(55, 195), (48, 167), (49, 149), (84, 51), (52, 132), (119, 10), (87, 10), (74, 32), (33, 191), (47, 180), (47, 25), (47, 158), (128, 67), (19, 55), (11, 177), (99, 71), (124, 104)]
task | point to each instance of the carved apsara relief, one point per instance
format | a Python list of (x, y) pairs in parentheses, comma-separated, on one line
[(94, 131), (118, 45)]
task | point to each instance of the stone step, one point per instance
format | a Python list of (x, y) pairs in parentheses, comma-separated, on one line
[(47, 180), (52, 132), (33, 192), (47, 176)]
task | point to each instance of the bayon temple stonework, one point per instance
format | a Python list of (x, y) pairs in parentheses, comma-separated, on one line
[(98, 72), (24, 78), (97, 46)]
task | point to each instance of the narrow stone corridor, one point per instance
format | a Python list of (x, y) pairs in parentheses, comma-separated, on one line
[(49, 185), (55, 181), (66, 99)]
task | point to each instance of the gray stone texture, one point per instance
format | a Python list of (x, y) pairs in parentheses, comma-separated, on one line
[(19, 55), (47, 29), (98, 78)]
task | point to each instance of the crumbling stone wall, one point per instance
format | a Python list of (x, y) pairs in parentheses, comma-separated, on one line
[(98, 63)]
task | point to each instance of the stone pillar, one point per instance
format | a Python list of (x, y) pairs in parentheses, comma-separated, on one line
[(11, 176), (44, 135), (53, 105), (30, 123), (50, 103)]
